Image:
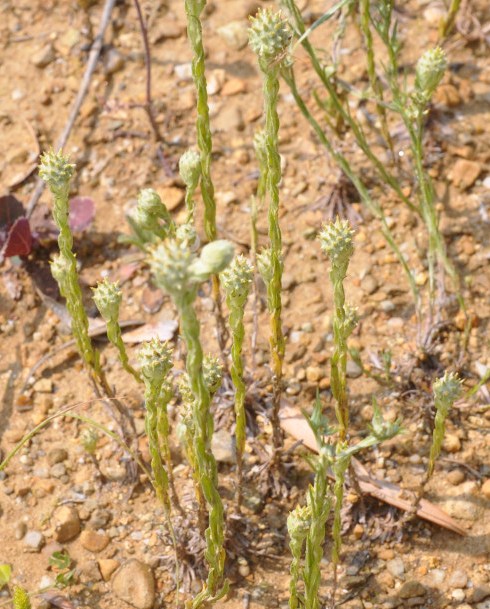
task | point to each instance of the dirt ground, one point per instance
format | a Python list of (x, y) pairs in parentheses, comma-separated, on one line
[(54, 496)]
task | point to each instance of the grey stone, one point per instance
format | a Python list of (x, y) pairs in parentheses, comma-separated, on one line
[(44, 56), (57, 455), (412, 589), (34, 541), (353, 370), (458, 579), (396, 567), (223, 446)]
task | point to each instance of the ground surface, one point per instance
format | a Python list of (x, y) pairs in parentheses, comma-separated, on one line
[(53, 482)]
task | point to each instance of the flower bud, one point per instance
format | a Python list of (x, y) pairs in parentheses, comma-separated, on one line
[(269, 34), (351, 319), (155, 359), (336, 242), (150, 202), (260, 146), (430, 71), (56, 171), (107, 297), (238, 277), (190, 168), (186, 234), (214, 258)]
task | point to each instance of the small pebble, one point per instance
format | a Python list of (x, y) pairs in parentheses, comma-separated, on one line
[(34, 541), (458, 579), (455, 477), (396, 567), (353, 370), (458, 595)]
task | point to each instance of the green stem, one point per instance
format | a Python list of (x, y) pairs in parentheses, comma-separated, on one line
[(193, 9), (277, 344), (339, 357), (115, 336), (205, 462)]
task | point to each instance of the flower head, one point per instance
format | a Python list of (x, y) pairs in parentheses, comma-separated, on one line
[(264, 265), (155, 359), (429, 72), (107, 297), (336, 242), (170, 263), (237, 278), (447, 389), (269, 34), (299, 522), (56, 171), (149, 202), (213, 373)]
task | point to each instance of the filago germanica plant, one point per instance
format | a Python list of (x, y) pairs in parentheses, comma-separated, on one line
[(57, 172), (236, 281), (179, 272), (269, 38)]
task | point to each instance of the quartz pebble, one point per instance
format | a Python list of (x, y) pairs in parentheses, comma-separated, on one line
[(34, 541), (458, 579)]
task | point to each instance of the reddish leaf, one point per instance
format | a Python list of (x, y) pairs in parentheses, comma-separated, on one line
[(82, 212), (19, 239), (10, 209)]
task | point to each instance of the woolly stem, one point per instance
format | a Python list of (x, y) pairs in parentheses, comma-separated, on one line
[(205, 462), (277, 344)]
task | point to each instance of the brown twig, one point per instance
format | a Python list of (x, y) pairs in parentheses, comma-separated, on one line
[(82, 92), (149, 101)]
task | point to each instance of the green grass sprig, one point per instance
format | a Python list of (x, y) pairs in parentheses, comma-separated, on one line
[(269, 38), (236, 281)]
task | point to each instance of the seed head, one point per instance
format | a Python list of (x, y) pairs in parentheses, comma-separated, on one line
[(269, 34), (170, 263), (107, 297), (299, 522), (155, 359), (56, 171), (238, 277), (429, 72), (447, 389), (190, 168), (336, 242)]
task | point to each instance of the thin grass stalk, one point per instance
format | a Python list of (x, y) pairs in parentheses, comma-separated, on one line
[(342, 109), (448, 23), (374, 81), (372, 206)]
